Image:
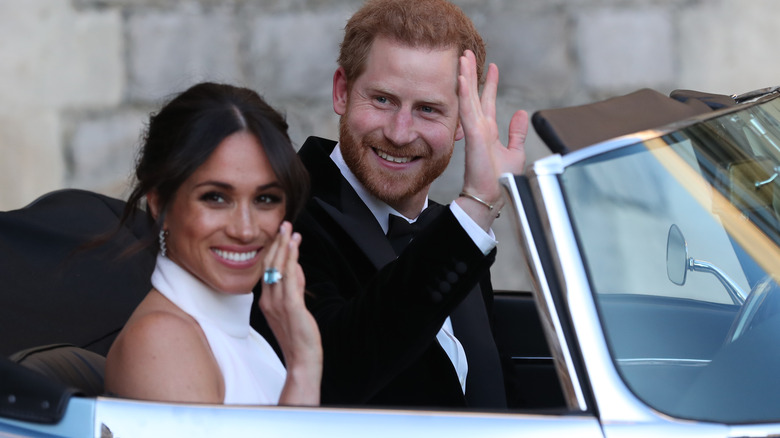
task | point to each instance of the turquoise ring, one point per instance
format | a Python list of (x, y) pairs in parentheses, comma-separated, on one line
[(271, 276)]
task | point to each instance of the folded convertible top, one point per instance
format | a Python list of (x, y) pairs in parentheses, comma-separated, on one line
[(571, 128)]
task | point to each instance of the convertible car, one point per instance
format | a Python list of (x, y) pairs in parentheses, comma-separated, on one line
[(651, 236)]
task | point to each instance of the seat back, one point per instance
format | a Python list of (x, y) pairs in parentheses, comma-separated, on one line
[(74, 367)]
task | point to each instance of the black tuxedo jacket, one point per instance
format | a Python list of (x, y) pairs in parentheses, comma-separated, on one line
[(379, 315)]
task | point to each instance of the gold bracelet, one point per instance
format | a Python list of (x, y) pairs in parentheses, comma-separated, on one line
[(489, 206)]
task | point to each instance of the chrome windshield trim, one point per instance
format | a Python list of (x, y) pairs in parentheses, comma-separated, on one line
[(607, 146), (615, 402), (553, 329), (755, 94), (555, 164)]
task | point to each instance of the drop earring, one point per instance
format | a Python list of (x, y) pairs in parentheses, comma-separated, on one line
[(161, 237)]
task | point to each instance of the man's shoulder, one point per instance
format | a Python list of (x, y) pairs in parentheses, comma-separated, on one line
[(315, 154), (317, 145)]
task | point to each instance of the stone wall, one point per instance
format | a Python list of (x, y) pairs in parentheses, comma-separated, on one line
[(79, 77)]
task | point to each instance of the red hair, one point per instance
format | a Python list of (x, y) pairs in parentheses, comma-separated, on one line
[(429, 24)]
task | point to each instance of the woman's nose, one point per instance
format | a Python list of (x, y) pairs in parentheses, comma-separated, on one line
[(243, 225)]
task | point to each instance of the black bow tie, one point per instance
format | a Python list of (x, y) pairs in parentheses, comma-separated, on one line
[(400, 232)]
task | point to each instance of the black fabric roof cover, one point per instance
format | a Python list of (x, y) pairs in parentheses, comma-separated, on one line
[(53, 292), (571, 128)]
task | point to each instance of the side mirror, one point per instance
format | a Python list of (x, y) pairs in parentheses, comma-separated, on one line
[(678, 264), (676, 256)]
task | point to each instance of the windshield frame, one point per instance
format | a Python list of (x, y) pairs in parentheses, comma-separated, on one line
[(614, 400)]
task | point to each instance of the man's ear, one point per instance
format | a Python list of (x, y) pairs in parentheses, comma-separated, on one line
[(459, 134), (153, 203), (340, 92)]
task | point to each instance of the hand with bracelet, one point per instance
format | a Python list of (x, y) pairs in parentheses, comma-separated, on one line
[(486, 157)]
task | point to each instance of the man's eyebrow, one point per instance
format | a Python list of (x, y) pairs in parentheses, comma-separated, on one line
[(429, 101)]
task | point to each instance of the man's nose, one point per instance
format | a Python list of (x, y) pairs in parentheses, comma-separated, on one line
[(400, 128)]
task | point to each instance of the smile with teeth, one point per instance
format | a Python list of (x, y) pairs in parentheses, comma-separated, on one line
[(391, 158), (235, 256)]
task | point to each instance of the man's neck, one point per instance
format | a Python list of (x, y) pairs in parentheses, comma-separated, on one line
[(379, 208), (411, 207)]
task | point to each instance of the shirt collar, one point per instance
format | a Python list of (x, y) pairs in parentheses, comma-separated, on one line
[(379, 209)]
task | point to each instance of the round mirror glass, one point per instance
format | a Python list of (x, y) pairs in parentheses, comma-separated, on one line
[(676, 256)]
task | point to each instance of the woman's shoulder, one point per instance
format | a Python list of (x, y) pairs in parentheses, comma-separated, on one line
[(162, 327), (157, 322), (159, 354)]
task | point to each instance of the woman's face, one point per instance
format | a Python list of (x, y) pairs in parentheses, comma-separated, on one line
[(225, 214)]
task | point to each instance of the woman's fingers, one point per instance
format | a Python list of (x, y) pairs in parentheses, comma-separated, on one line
[(292, 269), (277, 253), (273, 249), (286, 295)]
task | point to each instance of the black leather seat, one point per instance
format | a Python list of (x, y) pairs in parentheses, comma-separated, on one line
[(74, 367)]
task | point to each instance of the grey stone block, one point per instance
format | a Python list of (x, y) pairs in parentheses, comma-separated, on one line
[(102, 151), (53, 56), (532, 54), (294, 55), (172, 49), (32, 161), (728, 47), (627, 48)]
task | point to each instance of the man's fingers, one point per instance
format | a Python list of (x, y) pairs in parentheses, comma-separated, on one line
[(489, 92), (468, 94), (518, 130)]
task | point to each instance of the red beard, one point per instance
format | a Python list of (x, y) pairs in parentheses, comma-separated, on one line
[(392, 187)]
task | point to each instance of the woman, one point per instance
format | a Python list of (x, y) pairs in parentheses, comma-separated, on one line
[(222, 183)]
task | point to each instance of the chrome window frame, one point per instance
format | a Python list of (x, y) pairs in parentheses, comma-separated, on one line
[(615, 403)]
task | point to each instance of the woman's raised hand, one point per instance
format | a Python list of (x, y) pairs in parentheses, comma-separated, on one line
[(295, 329)]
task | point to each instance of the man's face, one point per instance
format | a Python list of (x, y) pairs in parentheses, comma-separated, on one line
[(399, 120)]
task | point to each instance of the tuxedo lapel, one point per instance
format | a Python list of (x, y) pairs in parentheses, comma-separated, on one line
[(365, 233), (339, 201)]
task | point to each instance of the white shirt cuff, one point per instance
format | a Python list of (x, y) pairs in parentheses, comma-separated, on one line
[(484, 241)]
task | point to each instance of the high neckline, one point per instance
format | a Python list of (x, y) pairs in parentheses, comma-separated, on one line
[(228, 311)]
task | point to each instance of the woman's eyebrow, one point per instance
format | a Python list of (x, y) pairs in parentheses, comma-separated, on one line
[(227, 186)]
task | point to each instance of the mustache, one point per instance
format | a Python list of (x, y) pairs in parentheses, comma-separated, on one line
[(416, 148)]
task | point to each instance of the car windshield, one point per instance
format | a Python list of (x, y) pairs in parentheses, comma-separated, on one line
[(680, 236)]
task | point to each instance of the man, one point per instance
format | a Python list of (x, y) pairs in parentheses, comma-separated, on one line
[(407, 327)]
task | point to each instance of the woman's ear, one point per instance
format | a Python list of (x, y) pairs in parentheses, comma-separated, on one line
[(153, 203)]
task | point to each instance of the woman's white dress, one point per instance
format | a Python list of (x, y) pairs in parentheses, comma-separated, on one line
[(252, 371)]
